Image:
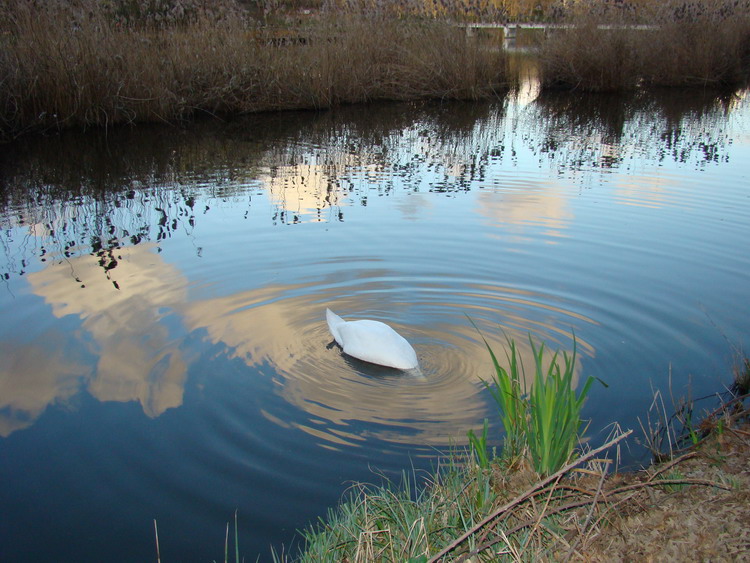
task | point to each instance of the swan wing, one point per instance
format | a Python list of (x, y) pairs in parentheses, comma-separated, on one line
[(377, 343)]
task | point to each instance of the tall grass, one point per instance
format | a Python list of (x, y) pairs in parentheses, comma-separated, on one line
[(509, 396), (69, 67), (99, 63), (587, 57), (402, 521), (555, 411), (708, 45), (543, 422)]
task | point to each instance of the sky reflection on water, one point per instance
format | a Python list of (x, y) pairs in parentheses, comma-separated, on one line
[(164, 293)]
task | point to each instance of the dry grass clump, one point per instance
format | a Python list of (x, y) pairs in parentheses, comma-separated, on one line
[(590, 58), (698, 43), (131, 13), (673, 43), (81, 64), (453, 10)]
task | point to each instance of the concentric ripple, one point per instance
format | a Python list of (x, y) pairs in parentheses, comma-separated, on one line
[(285, 327)]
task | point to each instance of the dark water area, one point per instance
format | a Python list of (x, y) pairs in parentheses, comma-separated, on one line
[(163, 347)]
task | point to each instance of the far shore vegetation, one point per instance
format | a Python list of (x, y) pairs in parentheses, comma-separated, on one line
[(83, 63)]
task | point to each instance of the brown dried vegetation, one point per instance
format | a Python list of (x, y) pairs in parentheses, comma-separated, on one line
[(615, 46), (686, 523), (103, 62), (96, 63)]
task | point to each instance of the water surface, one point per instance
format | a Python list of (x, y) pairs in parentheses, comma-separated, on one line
[(163, 343)]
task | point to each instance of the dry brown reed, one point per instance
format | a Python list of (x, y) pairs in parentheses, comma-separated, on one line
[(590, 58), (609, 47), (99, 63), (93, 67), (698, 43)]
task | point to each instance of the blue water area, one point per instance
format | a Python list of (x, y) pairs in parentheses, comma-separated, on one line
[(166, 364)]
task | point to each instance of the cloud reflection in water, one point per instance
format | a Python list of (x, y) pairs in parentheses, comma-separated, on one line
[(283, 326), (137, 358)]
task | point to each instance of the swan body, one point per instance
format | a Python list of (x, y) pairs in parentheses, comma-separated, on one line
[(372, 341)]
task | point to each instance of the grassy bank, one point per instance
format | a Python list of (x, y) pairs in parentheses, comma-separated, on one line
[(475, 507), (96, 67)]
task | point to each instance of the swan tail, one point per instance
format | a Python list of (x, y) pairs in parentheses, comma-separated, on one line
[(334, 323)]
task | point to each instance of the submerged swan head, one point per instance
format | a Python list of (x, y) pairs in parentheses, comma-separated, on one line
[(372, 341)]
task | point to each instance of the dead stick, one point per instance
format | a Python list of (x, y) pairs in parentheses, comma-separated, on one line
[(723, 406), (662, 482), (672, 463), (527, 494)]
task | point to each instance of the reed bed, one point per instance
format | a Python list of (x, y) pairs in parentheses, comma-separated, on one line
[(620, 46), (95, 67), (98, 63)]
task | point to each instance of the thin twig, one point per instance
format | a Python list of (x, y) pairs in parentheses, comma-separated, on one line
[(662, 482), (723, 406), (672, 463), (544, 508)]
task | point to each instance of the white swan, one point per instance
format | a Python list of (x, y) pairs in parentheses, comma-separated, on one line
[(372, 341)]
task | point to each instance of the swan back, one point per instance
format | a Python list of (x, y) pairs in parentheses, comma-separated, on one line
[(372, 341)]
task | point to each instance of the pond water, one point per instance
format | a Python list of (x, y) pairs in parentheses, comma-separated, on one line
[(163, 340)]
